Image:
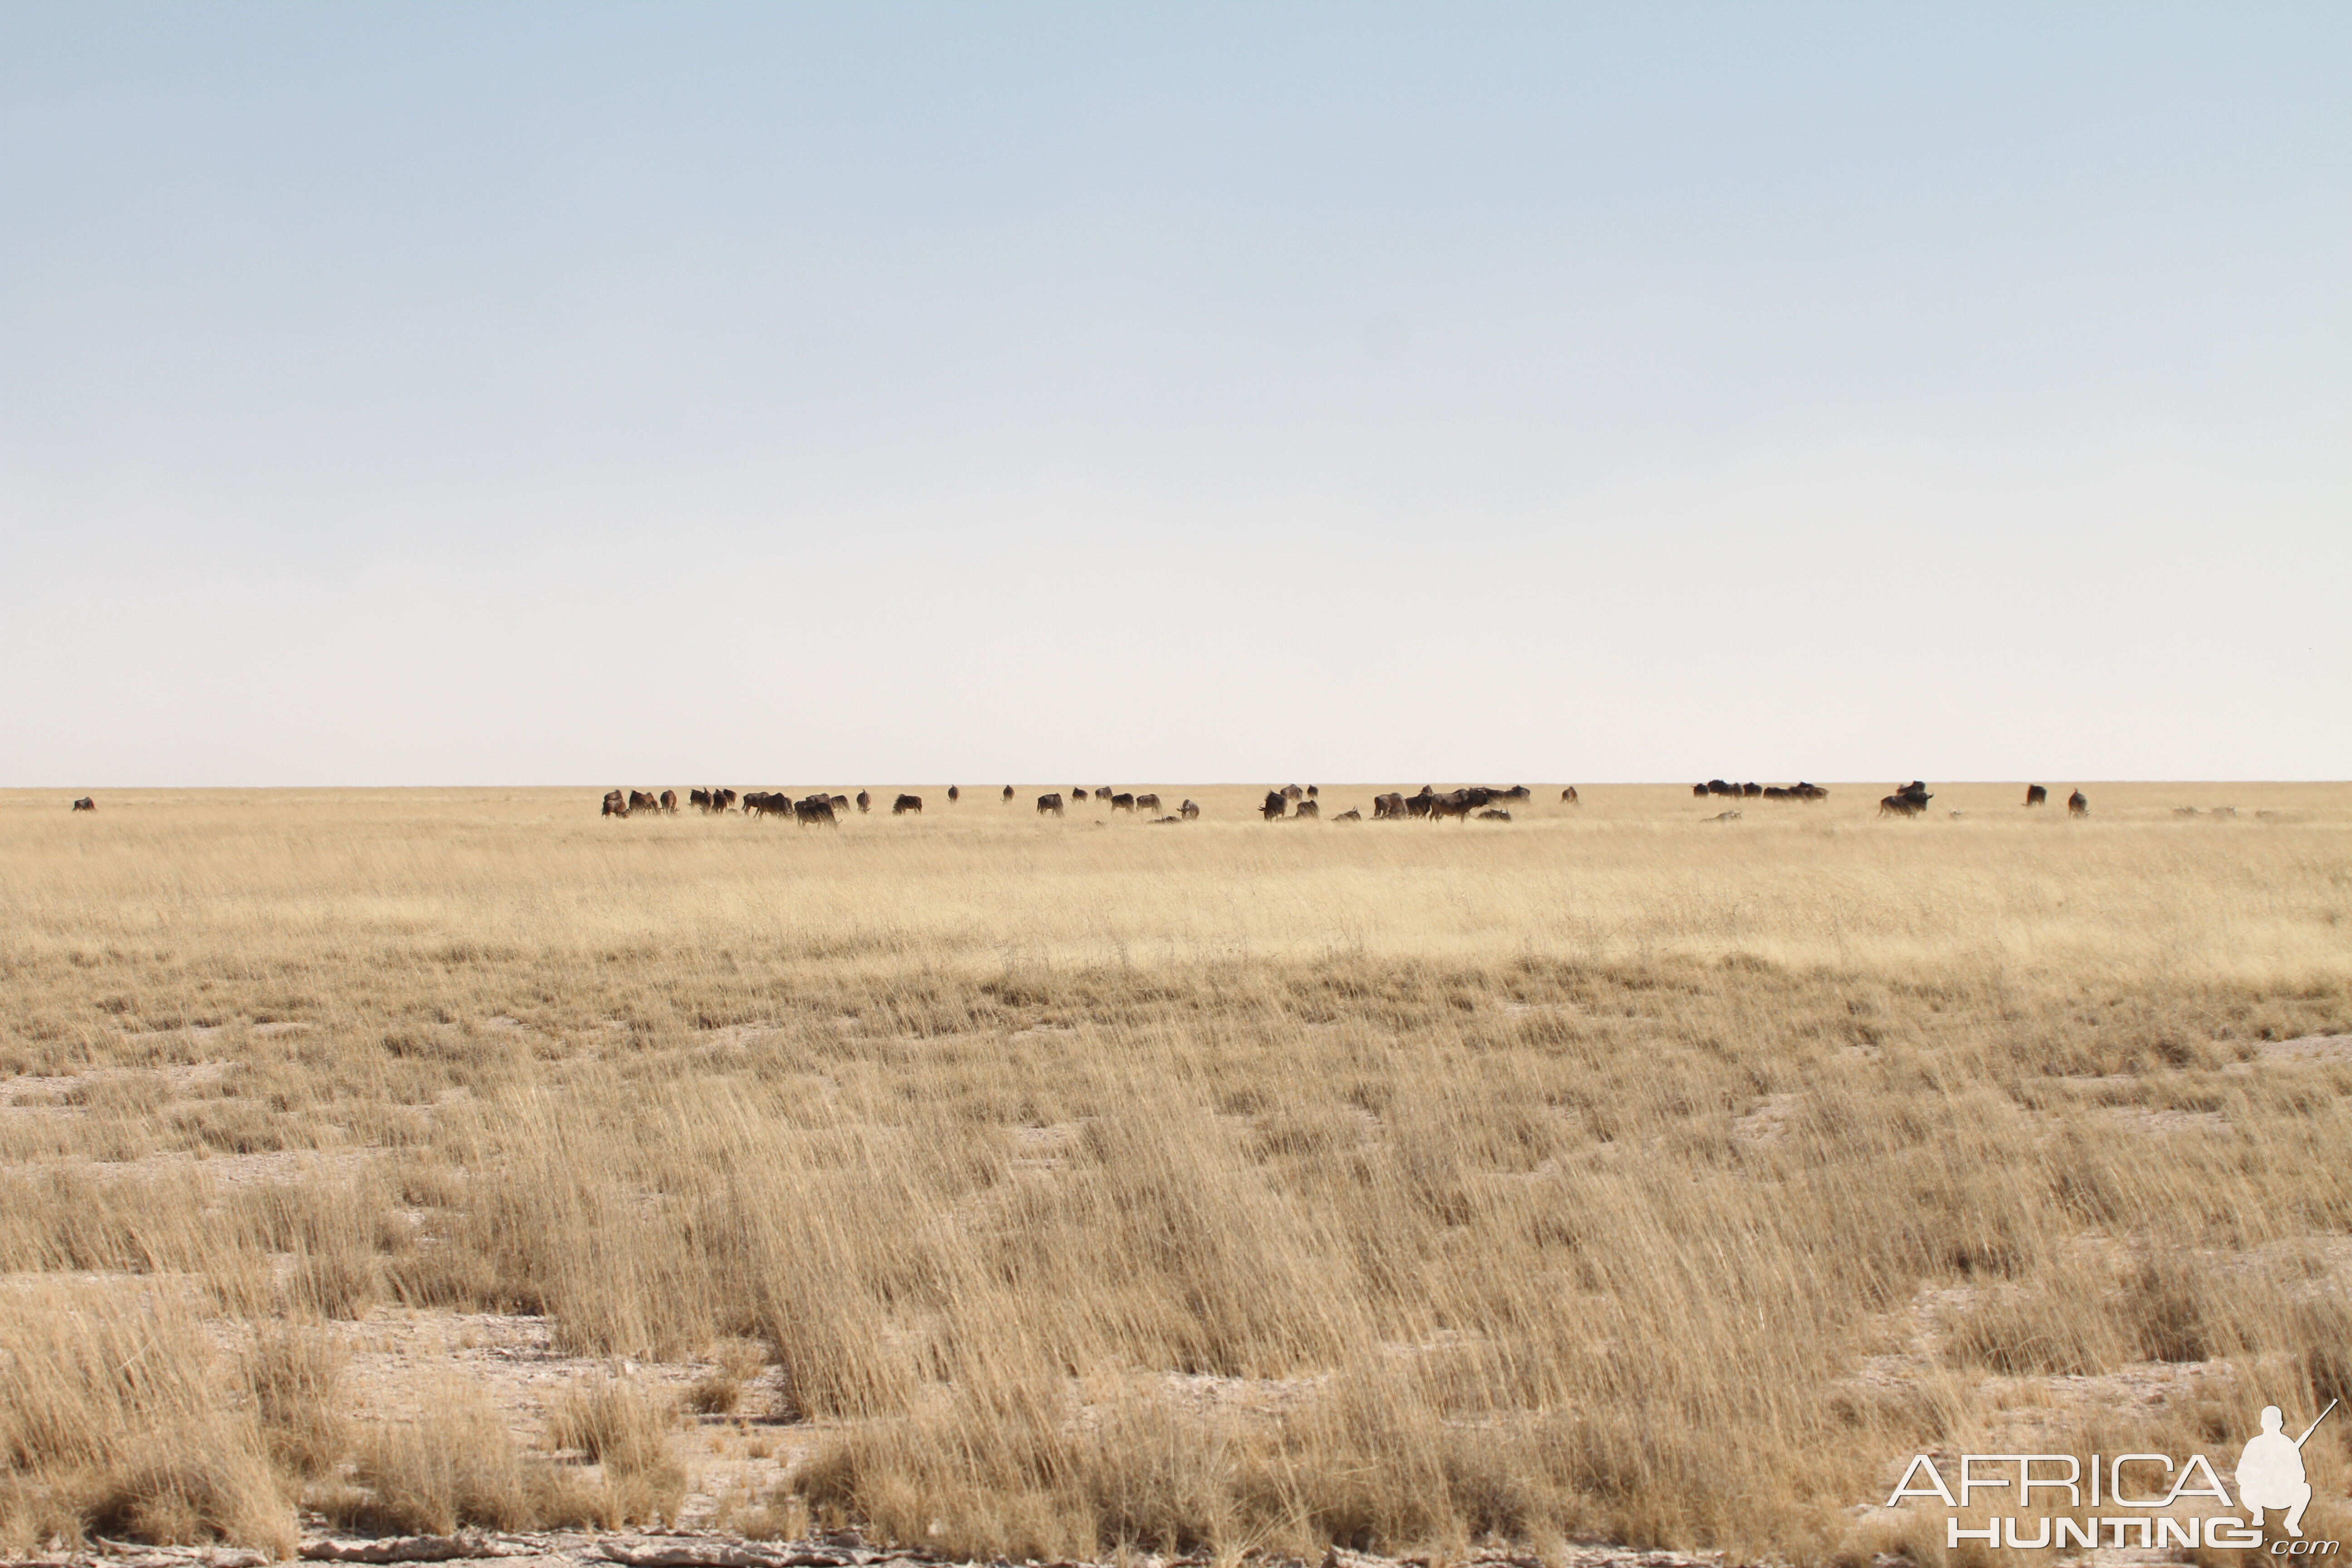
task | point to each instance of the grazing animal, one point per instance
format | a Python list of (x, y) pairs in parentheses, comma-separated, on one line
[(906, 803), (1774, 792), (1050, 803), (1725, 816), (669, 800), (1454, 803), (1422, 805), (1494, 814), (85, 804), (815, 808), (1516, 792), (756, 803), (1752, 789), (1699, 790), (1147, 802), (1716, 786), (1809, 792), (1077, 794), (1350, 815), (700, 799), (864, 803), (1909, 801), (2078, 805), (2036, 796), (1309, 810), (1292, 792), (1312, 792), (840, 802), (1188, 811), (1121, 802), (723, 798), (1567, 796), (616, 803), (954, 794), (1008, 794), (1275, 806), (640, 801), (1385, 807)]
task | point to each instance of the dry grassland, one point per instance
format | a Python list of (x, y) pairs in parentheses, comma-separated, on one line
[(1053, 1188)]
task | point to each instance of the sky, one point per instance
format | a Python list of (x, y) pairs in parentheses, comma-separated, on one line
[(441, 394)]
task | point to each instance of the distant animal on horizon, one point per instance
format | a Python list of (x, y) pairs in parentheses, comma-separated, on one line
[(1147, 802), (954, 794), (1385, 807), (2036, 796), (1276, 805), (1123, 802), (700, 799), (1567, 796), (669, 800), (815, 808), (640, 800), (1308, 811), (1909, 801), (1188, 811), (2078, 805), (1049, 803), (1292, 792), (864, 803), (85, 804), (906, 803), (1350, 815), (1725, 816), (1494, 814), (616, 803), (1008, 794), (1078, 793), (840, 802)]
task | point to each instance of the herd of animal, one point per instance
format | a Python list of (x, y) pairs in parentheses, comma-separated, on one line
[(1292, 803)]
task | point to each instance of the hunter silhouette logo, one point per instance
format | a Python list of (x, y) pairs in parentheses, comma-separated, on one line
[(2270, 1472), (2270, 1478)]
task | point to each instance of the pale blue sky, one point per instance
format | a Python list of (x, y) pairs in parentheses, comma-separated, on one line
[(458, 394)]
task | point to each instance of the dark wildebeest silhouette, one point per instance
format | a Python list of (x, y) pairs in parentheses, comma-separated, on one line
[(1716, 786), (864, 803), (1422, 805), (2036, 796), (1050, 803), (1457, 803), (669, 800), (1809, 792), (1567, 796), (85, 804), (954, 794), (616, 803), (1387, 805), (1699, 790), (1752, 789), (906, 803), (1123, 802), (840, 803), (815, 808), (1908, 801), (721, 799), (1309, 810), (1292, 792), (1078, 793), (1008, 794), (1275, 806), (1312, 792), (2078, 805), (756, 803), (700, 799), (640, 801), (1516, 792), (1188, 811), (1147, 802), (1495, 814), (1774, 792)]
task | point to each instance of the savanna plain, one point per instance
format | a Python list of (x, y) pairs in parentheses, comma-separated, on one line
[(404, 1161)]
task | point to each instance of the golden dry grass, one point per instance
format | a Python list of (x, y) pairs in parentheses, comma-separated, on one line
[(1608, 1172)]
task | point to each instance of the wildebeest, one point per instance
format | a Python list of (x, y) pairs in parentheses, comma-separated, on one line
[(1078, 793), (700, 799), (1147, 802), (1385, 807), (906, 803), (1422, 805), (1516, 792), (954, 794), (815, 808), (1008, 794), (616, 803), (1274, 807), (1188, 811), (1050, 803), (641, 801), (1752, 789), (1309, 810), (1456, 804), (85, 804), (756, 802), (1494, 814), (1699, 790), (669, 800), (720, 799), (2036, 796), (1718, 786), (1567, 796), (1292, 792), (1909, 801), (1800, 791), (1350, 815), (840, 802), (1123, 802), (2078, 805), (1312, 792), (864, 803)]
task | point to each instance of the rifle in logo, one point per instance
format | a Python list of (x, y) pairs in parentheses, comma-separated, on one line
[(2270, 1471)]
